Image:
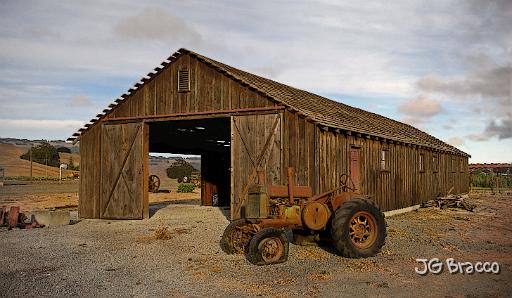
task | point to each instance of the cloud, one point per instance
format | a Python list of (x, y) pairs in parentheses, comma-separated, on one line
[(421, 106), (40, 124), (491, 83), (38, 129), (501, 129), (455, 141), (156, 24), (80, 101)]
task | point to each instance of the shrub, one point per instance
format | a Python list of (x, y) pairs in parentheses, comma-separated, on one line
[(162, 233), (186, 187)]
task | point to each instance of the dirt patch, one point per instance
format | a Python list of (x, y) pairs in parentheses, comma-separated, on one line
[(52, 194)]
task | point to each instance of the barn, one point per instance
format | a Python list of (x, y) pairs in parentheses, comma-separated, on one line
[(241, 123)]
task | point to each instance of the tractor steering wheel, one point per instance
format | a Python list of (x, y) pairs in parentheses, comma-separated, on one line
[(344, 180)]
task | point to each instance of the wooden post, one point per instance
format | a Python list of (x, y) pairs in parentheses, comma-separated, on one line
[(31, 163), (290, 184)]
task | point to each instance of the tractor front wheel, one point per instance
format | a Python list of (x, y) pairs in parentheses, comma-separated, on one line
[(358, 229), (268, 246), (236, 237)]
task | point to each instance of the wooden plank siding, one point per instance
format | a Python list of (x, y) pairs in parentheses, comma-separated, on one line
[(210, 91), (403, 184)]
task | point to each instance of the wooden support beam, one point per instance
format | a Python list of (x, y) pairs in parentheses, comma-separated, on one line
[(206, 113)]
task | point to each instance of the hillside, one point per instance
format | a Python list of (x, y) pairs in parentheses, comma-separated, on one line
[(11, 149), (15, 166)]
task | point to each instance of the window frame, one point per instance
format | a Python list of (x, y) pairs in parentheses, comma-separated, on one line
[(421, 163), (384, 160), (435, 163)]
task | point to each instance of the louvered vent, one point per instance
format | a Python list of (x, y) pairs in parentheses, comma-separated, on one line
[(183, 80)]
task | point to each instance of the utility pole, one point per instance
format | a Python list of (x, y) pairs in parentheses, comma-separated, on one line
[(31, 163)]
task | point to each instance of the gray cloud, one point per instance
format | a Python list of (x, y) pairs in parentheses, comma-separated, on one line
[(491, 83), (501, 129), (157, 24)]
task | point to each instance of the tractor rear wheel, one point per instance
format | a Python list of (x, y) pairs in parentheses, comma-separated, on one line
[(358, 229), (236, 237), (268, 246)]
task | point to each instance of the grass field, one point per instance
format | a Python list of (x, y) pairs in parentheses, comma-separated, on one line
[(15, 166)]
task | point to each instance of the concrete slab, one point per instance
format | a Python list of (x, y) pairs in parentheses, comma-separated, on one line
[(51, 218)]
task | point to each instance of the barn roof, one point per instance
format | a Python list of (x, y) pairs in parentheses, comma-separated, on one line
[(322, 110)]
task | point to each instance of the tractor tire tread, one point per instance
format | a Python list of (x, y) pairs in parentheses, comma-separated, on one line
[(339, 228)]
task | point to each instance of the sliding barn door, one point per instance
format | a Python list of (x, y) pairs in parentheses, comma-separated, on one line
[(123, 171), (255, 145)]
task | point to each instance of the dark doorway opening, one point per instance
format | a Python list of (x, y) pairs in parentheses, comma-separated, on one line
[(208, 138)]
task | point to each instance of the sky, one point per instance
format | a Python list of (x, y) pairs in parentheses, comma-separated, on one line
[(442, 66)]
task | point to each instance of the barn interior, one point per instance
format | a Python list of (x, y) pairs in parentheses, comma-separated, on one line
[(210, 138)]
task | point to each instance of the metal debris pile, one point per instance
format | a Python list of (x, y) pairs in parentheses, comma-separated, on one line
[(450, 201), (13, 218)]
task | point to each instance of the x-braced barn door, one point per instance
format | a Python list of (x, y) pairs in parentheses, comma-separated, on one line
[(255, 146), (123, 171)]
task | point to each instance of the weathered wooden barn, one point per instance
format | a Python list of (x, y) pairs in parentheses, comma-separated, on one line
[(240, 122)]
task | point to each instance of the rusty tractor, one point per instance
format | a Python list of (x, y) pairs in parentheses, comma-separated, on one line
[(352, 222)]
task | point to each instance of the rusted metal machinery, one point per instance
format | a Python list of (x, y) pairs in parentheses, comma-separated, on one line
[(11, 217), (154, 183), (195, 179), (353, 222)]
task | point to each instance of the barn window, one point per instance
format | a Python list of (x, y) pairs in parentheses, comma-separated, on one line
[(461, 164), (183, 80), (421, 163), (453, 166), (435, 163), (384, 160)]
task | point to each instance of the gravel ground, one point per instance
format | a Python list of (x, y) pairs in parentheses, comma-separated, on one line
[(123, 258)]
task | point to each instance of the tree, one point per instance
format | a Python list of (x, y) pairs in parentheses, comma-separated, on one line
[(64, 150), (180, 168), (43, 153)]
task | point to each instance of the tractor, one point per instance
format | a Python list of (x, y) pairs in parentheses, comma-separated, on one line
[(351, 221)]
